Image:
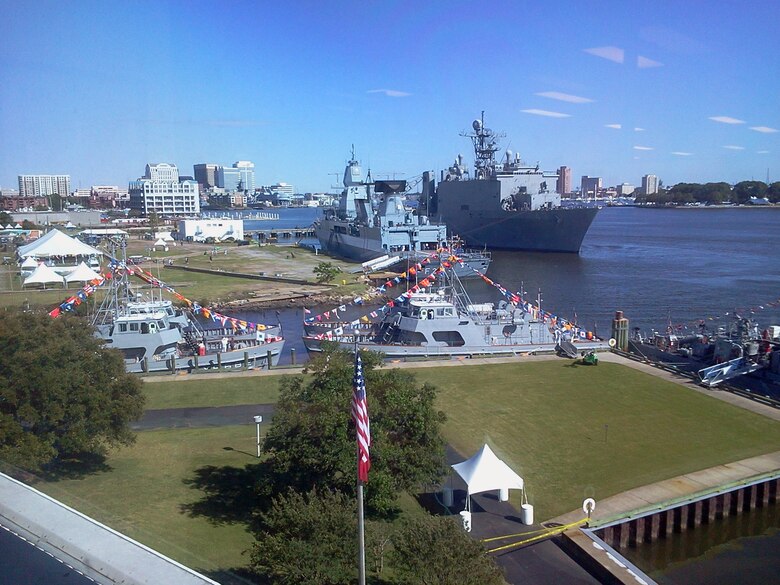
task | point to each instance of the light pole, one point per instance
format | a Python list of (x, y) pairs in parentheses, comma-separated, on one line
[(258, 420)]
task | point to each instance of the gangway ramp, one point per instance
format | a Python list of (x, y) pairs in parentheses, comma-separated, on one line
[(714, 375)]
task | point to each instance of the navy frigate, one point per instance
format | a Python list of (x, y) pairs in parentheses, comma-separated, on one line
[(504, 205), (371, 220)]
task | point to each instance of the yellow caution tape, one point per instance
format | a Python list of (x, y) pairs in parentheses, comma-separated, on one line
[(547, 533)]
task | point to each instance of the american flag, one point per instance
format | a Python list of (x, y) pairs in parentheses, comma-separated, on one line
[(360, 416)]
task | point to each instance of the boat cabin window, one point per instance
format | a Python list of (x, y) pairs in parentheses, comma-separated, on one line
[(444, 312), (144, 327), (160, 325), (450, 338), (123, 327), (133, 326)]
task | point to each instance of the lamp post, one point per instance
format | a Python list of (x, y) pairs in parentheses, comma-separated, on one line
[(258, 420)]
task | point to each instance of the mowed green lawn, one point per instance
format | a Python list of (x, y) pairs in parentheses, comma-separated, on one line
[(545, 419), (576, 431), (143, 494)]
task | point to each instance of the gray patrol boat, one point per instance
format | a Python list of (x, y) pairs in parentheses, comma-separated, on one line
[(372, 220), (504, 205)]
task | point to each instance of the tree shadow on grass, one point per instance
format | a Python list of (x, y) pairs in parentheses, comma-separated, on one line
[(75, 467)]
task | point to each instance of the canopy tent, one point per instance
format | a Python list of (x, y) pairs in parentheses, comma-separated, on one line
[(70, 226), (484, 471), (29, 262), (42, 275), (56, 243), (83, 273)]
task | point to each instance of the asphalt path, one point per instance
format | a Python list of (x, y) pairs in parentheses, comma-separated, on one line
[(198, 417)]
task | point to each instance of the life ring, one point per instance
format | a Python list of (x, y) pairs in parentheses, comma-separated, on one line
[(612, 342)]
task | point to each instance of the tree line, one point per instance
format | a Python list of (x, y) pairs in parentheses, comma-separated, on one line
[(713, 193)]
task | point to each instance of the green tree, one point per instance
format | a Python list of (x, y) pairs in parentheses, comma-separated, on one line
[(312, 439), (773, 192), (326, 272), (435, 550), (62, 394), (744, 190), (5, 218), (307, 539)]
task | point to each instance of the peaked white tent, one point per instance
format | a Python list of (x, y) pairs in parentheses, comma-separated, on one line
[(82, 273), (43, 275), (30, 262), (56, 243), (484, 471)]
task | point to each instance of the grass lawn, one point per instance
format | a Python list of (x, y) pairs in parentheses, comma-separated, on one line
[(574, 432), (227, 391), (143, 493)]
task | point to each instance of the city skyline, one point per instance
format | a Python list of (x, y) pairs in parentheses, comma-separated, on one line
[(616, 92)]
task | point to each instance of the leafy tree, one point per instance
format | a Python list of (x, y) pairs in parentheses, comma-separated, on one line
[(312, 439), (5, 218), (62, 394), (434, 550), (773, 192), (28, 225), (326, 272), (744, 190), (308, 539)]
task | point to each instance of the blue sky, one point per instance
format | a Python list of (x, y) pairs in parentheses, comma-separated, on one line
[(688, 90)]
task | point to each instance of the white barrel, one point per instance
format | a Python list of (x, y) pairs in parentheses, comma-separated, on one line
[(503, 494), (527, 514), (465, 517), (446, 496)]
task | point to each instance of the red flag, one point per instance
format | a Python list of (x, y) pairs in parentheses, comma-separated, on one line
[(360, 416)]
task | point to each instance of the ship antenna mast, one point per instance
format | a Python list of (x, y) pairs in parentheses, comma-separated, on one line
[(485, 143)]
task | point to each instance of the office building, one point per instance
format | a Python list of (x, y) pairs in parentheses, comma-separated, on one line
[(590, 186), (160, 191), (625, 189), (563, 186), (206, 175), (649, 184), (239, 177)]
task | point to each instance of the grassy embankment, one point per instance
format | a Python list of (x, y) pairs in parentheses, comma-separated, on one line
[(288, 261), (546, 419)]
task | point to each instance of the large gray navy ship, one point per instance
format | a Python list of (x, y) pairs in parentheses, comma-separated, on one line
[(372, 220), (504, 205)]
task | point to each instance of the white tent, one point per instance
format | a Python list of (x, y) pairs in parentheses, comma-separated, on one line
[(56, 243), (70, 226), (42, 275), (82, 273), (29, 262), (484, 471), (17, 226)]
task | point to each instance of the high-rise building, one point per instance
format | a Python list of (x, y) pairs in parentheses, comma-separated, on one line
[(625, 189), (239, 177), (44, 185), (161, 172), (160, 191), (590, 186), (563, 186), (206, 175), (649, 184)]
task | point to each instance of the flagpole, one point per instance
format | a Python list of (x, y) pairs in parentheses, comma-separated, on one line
[(361, 538)]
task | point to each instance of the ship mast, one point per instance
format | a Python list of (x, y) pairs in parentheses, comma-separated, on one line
[(485, 143)]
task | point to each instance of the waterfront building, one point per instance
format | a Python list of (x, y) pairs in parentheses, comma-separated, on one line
[(649, 184), (206, 175), (283, 188), (625, 189), (590, 186), (108, 196), (160, 191), (563, 185), (239, 177), (220, 229)]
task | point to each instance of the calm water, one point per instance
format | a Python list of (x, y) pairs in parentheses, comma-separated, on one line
[(737, 549)]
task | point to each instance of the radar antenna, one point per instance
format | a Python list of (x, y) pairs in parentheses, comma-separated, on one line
[(485, 143)]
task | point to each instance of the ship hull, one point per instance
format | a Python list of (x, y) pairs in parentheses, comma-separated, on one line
[(557, 230)]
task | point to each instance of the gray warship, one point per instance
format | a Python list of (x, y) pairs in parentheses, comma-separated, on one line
[(504, 205), (371, 220)]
